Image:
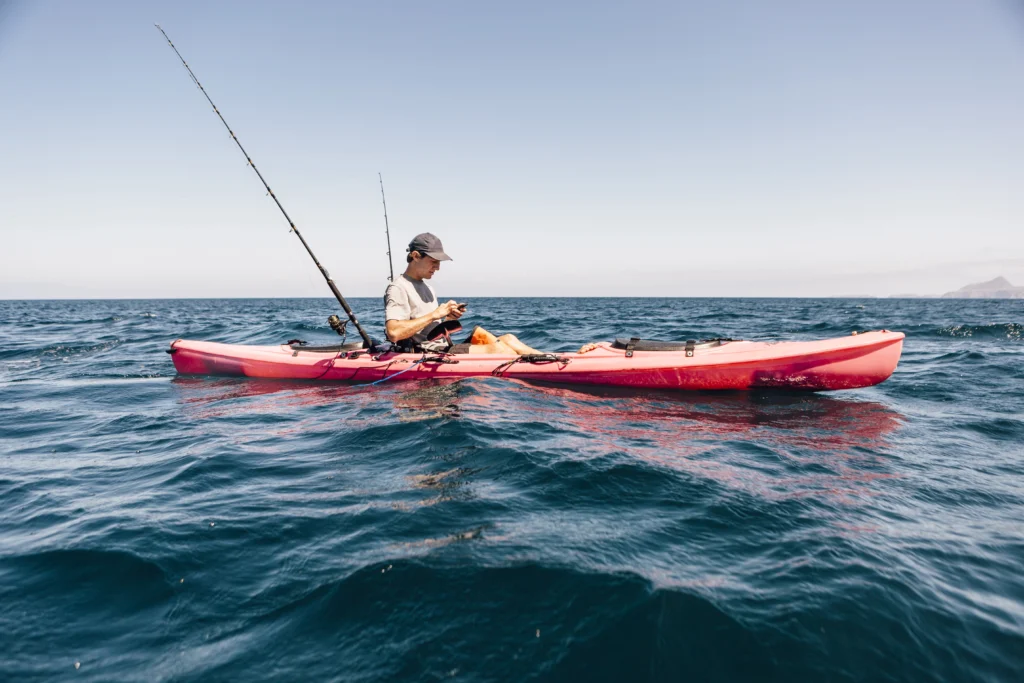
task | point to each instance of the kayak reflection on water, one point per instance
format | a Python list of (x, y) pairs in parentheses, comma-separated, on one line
[(775, 445)]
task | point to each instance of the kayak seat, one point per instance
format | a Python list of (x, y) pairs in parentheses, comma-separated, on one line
[(657, 345)]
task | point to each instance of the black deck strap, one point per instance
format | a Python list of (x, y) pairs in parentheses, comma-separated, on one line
[(327, 348), (631, 345), (439, 358), (542, 358), (530, 358), (689, 347)]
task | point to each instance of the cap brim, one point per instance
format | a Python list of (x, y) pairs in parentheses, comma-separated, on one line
[(439, 255)]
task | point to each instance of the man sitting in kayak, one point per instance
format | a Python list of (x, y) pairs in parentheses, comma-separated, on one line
[(411, 311)]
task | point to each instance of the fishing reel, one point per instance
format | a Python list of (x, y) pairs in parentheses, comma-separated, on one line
[(338, 325)]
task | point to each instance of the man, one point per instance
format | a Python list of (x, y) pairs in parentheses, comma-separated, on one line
[(411, 311)]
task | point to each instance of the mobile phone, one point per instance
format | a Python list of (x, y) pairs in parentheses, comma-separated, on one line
[(461, 307)]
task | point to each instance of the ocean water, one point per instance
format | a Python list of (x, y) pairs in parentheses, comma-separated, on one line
[(155, 527)]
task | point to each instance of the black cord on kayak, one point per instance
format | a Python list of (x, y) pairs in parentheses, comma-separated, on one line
[(387, 231), (538, 358), (323, 271)]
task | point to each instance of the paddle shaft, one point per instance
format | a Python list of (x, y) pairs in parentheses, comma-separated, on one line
[(323, 271)]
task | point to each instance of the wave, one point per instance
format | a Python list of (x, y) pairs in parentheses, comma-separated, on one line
[(522, 620), (73, 321), (60, 605), (60, 351), (1012, 331), (92, 581)]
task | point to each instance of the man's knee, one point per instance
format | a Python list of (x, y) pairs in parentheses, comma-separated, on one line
[(505, 349), (508, 338), (497, 348), (482, 336)]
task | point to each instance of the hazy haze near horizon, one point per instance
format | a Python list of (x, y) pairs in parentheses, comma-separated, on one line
[(796, 149)]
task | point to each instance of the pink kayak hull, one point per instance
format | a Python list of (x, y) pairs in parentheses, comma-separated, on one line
[(851, 362)]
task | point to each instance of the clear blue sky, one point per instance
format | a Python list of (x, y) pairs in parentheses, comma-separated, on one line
[(659, 148)]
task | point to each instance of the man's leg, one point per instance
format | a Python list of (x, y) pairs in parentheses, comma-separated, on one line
[(482, 341), (498, 348), (516, 345)]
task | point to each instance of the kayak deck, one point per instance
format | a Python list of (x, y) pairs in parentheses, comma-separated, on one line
[(859, 360)]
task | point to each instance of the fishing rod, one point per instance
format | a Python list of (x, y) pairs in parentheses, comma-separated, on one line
[(387, 231), (330, 283)]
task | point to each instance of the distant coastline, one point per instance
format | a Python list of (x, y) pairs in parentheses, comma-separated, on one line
[(997, 288)]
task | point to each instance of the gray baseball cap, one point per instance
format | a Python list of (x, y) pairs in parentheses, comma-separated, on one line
[(428, 244)]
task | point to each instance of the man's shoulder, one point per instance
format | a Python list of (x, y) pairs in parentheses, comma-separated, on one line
[(395, 291), (400, 282)]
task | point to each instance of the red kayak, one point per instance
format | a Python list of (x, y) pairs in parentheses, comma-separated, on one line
[(859, 360)]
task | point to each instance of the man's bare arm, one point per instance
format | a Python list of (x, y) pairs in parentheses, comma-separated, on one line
[(397, 330)]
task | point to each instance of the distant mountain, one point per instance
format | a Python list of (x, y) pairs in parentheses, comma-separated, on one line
[(1000, 288)]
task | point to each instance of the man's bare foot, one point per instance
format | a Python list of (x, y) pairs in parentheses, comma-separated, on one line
[(588, 347)]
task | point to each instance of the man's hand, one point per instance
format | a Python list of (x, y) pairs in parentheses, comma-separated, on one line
[(397, 330), (450, 310)]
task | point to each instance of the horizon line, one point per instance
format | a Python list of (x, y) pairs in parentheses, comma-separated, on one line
[(328, 298)]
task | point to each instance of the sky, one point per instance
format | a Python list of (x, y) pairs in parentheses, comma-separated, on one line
[(736, 148)]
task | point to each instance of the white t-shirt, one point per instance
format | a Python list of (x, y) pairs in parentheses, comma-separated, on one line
[(407, 299)]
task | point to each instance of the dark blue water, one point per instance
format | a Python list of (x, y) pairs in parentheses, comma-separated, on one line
[(164, 528)]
